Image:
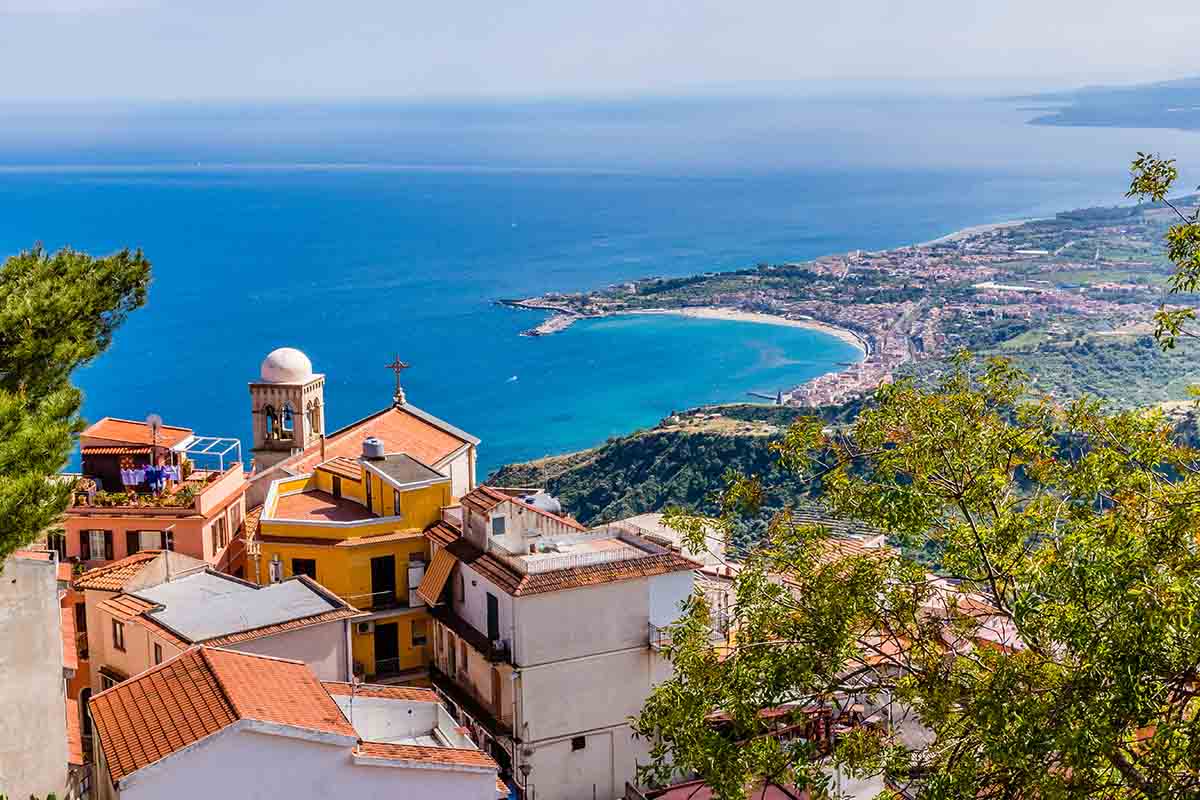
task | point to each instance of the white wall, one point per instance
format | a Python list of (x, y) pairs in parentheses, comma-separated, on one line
[(473, 606), (322, 647), (579, 622), (245, 764), (33, 734), (667, 595)]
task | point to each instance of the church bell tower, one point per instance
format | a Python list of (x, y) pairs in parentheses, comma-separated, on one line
[(287, 406)]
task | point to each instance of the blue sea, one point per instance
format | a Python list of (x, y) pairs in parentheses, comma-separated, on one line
[(357, 233)]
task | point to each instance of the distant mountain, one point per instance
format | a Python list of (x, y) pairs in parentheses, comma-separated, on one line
[(1167, 104)]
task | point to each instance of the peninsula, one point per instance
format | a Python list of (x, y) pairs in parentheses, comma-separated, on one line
[(1071, 298)]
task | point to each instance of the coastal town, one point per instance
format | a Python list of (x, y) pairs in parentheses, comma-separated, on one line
[(351, 609), (1090, 276)]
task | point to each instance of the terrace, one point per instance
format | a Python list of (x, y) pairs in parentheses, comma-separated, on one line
[(198, 492)]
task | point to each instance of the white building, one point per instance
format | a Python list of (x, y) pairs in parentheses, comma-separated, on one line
[(218, 723), (37, 658), (546, 638)]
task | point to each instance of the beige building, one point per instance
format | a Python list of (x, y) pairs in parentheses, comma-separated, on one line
[(40, 751), (150, 608), (545, 638)]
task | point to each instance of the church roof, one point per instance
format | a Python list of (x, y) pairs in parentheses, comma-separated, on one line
[(402, 429)]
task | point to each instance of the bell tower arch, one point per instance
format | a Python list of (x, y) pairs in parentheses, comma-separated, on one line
[(287, 405)]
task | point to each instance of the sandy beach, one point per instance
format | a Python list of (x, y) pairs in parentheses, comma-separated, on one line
[(734, 315)]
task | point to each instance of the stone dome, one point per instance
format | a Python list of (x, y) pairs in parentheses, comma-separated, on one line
[(286, 365)]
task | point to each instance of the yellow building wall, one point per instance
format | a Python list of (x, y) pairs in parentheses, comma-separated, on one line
[(412, 656)]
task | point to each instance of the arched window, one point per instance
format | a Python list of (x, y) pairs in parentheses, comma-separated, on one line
[(287, 423), (270, 422)]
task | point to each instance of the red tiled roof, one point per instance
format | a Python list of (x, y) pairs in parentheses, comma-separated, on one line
[(344, 467), (400, 430), (428, 755), (130, 432), (74, 734), (519, 584), (113, 576), (125, 607), (70, 654), (250, 523), (411, 693), (200, 692), (483, 499)]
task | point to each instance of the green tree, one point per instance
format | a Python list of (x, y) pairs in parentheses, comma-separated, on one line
[(57, 312), (1061, 660), (1152, 179)]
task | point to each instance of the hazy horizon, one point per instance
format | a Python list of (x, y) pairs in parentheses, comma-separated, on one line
[(85, 51)]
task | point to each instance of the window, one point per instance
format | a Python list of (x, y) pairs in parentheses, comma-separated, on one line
[(498, 526), (157, 653), (395, 502), (95, 545), (151, 540), (337, 486), (131, 542), (462, 656), (367, 478), (107, 681), (461, 587), (305, 566), (418, 632), (269, 421), (58, 543), (578, 743), (118, 633), (80, 618), (288, 423), (220, 534)]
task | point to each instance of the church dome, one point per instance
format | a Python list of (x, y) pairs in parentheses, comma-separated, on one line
[(286, 365)]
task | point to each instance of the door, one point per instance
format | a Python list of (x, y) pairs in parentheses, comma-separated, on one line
[(493, 617), (496, 692), (383, 581), (387, 648), (337, 486)]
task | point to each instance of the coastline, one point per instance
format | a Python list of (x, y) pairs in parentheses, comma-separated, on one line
[(735, 315)]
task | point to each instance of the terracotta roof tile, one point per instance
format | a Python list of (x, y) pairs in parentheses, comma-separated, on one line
[(200, 692), (519, 584), (250, 523), (130, 432), (113, 576), (125, 607), (74, 734), (70, 654), (428, 755), (400, 430), (410, 693), (343, 467)]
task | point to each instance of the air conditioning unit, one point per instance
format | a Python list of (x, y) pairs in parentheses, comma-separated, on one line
[(366, 627)]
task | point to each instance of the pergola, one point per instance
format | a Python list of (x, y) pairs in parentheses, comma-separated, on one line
[(210, 447)]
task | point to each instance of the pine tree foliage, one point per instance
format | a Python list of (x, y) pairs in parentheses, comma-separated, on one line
[(58, 311)]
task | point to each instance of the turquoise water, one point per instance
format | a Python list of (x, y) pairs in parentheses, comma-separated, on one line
[(356, 262)]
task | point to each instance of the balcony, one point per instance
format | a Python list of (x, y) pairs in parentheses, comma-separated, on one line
[(199, 492), (496, 652), (470, 703), (378, 601)]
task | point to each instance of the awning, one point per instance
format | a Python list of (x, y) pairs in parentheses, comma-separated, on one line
[(435, 578), (116, 450)]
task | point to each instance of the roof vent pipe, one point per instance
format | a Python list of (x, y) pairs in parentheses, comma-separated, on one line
[(372, 449)]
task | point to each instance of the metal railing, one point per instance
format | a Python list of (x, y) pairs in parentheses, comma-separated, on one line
[(377, 600)]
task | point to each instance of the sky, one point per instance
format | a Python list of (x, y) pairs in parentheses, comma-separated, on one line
[(69, 51)]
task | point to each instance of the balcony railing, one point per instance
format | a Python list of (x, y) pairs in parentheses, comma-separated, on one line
[(377, 601)]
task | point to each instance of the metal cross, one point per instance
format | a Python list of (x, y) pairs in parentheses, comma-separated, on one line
[(397, 366)]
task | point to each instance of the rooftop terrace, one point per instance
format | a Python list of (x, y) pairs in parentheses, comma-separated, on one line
[(318, 506)]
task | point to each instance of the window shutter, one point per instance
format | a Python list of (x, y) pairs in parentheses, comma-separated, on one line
[(108, 546), (85, 546), (131, 542)]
